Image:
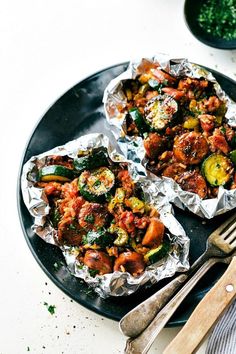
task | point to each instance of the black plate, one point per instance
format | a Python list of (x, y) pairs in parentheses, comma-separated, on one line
[(77, 112), (191, 12)]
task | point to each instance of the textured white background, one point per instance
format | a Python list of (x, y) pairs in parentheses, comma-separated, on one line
[(45, 48)]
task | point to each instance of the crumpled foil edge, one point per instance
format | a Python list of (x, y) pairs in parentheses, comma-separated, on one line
[(132, 146), (117, 283)]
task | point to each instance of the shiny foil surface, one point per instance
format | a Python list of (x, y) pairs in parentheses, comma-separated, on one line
[(132, 146), (117, 283)]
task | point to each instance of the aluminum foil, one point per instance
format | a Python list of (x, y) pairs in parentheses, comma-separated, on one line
[(132, 146), (117, 283)]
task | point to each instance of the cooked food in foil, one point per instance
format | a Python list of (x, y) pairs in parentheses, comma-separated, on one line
[(105, 214), (96, 206), (184, 129)]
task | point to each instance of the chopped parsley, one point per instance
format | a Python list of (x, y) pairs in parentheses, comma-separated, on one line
[(57, 265), (50, 308), (89, 218), (97, 183), (93, 272), (72, 227), (218, 18)]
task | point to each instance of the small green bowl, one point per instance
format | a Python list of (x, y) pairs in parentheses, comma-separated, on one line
[(191, 12)]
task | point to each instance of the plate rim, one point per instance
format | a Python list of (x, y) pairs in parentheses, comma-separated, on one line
[(60, 285)]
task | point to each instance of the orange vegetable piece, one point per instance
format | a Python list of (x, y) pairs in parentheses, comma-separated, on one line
[(154, 234)]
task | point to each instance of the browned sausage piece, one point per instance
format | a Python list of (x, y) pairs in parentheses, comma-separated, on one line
[(98, 260), (92, 216), (174, 170), (190, 148), (131, 262), (69, 232), (154, 144), (154, 234), (193, 182)]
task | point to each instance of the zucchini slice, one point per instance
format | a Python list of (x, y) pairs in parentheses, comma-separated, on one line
[(56, 173), (158, 253), (122, 236), (96, 184), (101, 238), (94, 159), (55, 216), (160, 111), (217, 169), (232, 156), (139, 120)]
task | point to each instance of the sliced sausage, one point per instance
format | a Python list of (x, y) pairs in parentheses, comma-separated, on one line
[(154, 144), (69, 233), (98, 260), (93, 216), (174, 170), (193, 182), (131, 262), (154, 234), (190, 148)]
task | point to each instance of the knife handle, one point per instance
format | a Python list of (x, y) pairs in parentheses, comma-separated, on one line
[(206, 314)]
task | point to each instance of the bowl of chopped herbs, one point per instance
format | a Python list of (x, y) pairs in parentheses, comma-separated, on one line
[(213, 22)]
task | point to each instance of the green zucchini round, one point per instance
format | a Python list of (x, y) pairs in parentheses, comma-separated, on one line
[(160, 111), (101, 238), (94, 159), (217, 169), (96, 184), (122, 236), (155, 254), (139, 120), (232, 156), (57, 173)]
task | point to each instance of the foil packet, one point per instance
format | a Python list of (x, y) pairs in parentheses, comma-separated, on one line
[(133, 148), (116, 283)]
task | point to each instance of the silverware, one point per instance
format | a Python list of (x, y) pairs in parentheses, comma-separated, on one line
[(204, 316), (135, 321), (224, 238)]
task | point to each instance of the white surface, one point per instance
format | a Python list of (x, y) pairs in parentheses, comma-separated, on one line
[(45, 48)]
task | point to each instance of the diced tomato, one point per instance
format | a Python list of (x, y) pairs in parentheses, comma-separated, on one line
[(52, 188), (163, 77), (126, 221), (218, 142), (207, 122), (176, 94)]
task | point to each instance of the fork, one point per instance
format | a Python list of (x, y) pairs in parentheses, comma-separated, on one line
[(222, 241), (204, 317), (218, 245)]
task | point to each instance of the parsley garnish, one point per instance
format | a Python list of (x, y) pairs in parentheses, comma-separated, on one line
[(93, 272), (89, 218), (51, 308), (97, 183), (72, 227), (219, 19)]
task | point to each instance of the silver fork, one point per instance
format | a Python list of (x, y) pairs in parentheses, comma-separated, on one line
[(142, 343), (217, 245), (220, 243)]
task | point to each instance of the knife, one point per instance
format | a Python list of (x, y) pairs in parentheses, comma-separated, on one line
[(206, 314)]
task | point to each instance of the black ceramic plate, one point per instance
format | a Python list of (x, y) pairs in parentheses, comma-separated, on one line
[(191, 12), (80, 111)]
